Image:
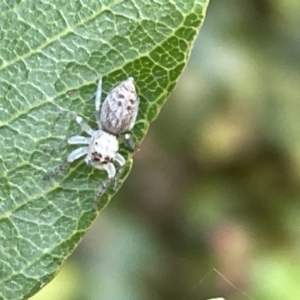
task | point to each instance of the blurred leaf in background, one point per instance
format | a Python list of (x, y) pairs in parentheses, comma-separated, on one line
[(52, 55)]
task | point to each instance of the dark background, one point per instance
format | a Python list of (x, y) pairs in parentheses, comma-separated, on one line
[(212, 205)]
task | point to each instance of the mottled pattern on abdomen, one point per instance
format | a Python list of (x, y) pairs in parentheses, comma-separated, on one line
[(118, 110)]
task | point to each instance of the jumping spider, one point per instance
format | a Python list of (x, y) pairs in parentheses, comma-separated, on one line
[(116, 116)]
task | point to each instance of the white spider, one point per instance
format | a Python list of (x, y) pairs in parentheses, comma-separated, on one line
[(116, 116)]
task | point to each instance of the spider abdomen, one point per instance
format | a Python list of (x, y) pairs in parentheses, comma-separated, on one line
[(119, 109)]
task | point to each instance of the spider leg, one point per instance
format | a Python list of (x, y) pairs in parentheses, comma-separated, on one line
[(120, 159), (56, 146), (75, 154), (128, 139), (98, 101), (110, 169), (56, 170), (100, 192), (77, 139), (84, 126)]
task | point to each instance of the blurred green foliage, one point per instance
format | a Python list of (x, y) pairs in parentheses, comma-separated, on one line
[(212, 206)]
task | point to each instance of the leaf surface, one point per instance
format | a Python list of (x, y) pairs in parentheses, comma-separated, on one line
[(51, 55)]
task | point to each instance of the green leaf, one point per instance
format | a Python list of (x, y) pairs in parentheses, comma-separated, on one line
[(52, 54)]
